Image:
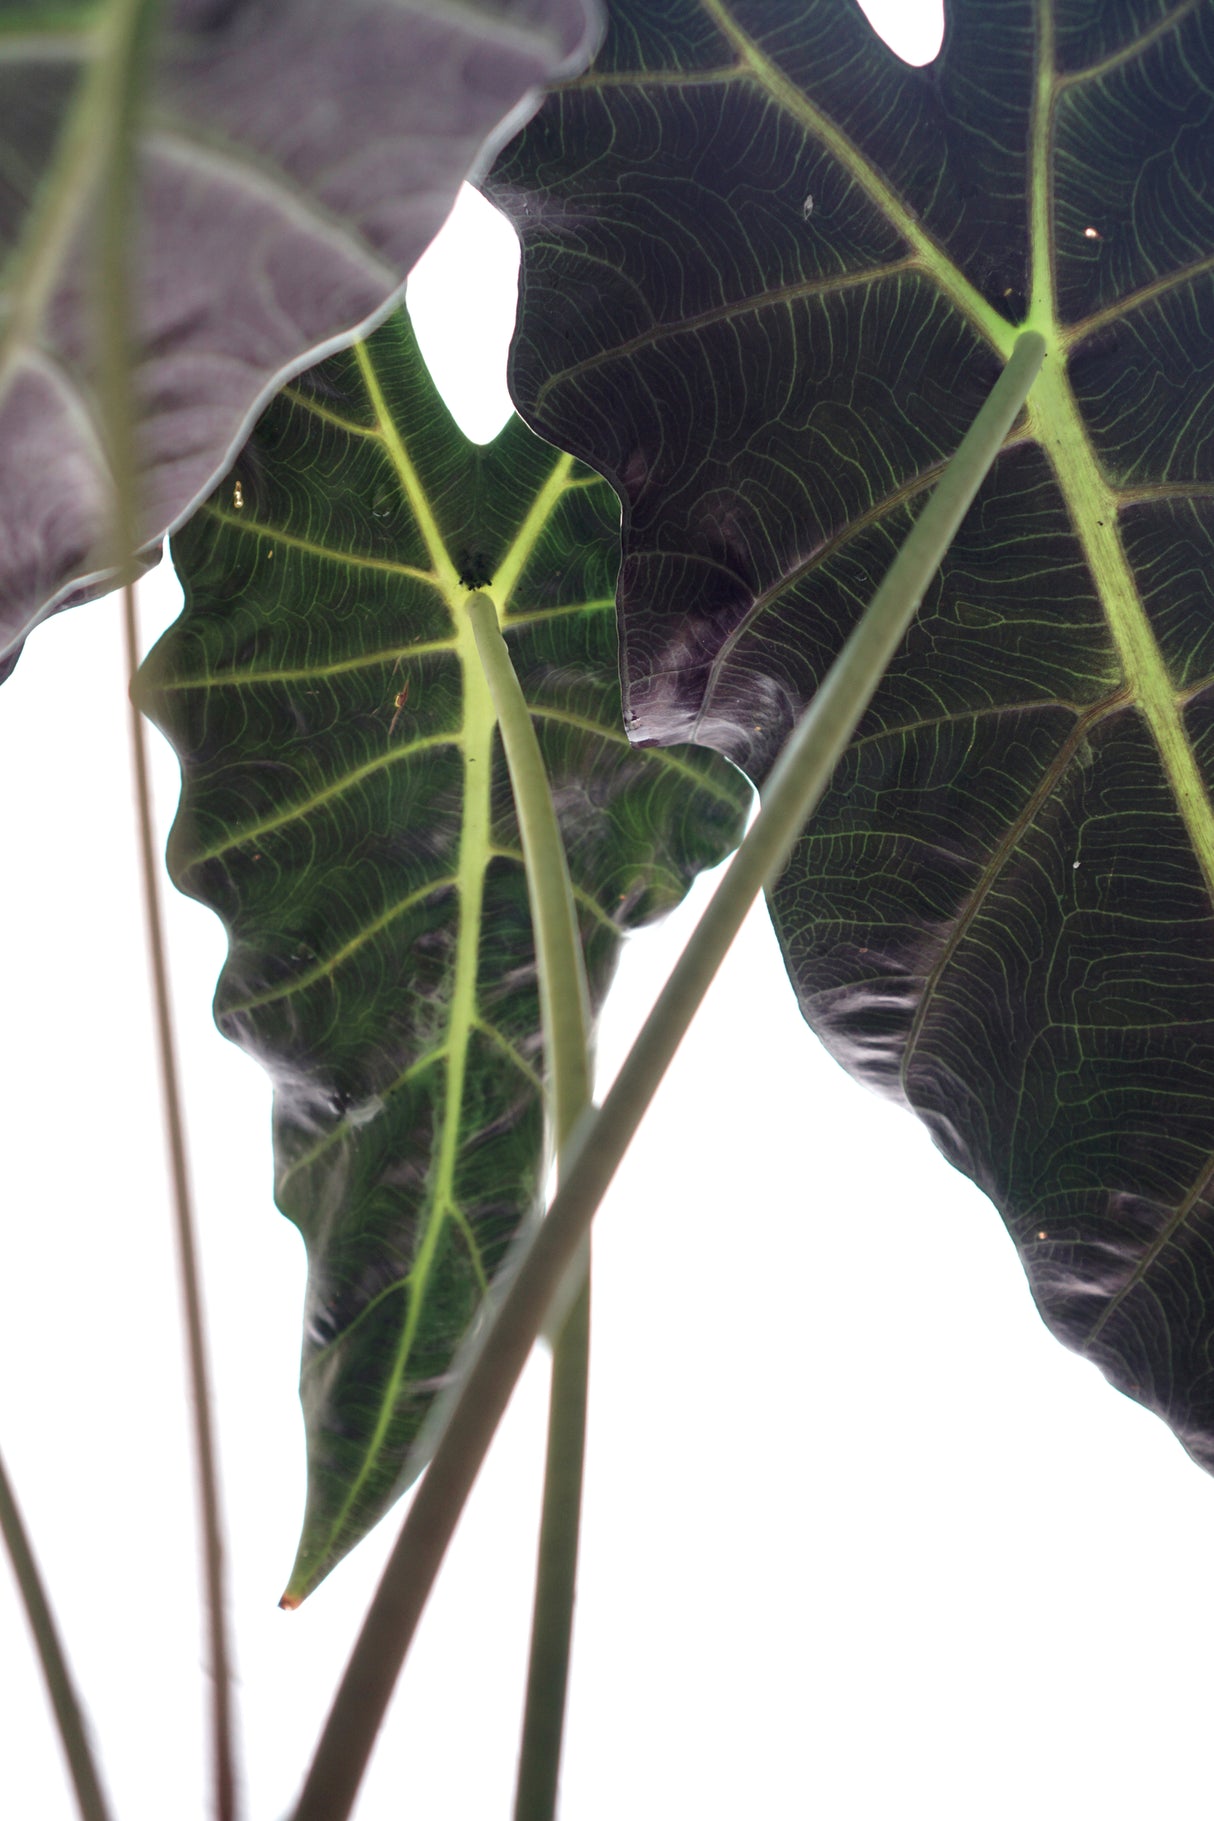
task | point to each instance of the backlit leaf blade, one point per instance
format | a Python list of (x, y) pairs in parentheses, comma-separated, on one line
[(769, 273), (346, 810), (293, 161)]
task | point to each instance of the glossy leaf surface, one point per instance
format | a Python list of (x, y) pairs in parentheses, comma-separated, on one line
[(346, 810), (292, 161), (769, 273)]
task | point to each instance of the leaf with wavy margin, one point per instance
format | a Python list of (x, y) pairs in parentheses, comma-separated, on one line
[(769, 273), (294, 158), (346, 811)]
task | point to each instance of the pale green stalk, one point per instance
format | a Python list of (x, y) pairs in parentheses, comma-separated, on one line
[(564, 999), (565, 1016), (487, 1374), (59, 1685), (556, 1572)]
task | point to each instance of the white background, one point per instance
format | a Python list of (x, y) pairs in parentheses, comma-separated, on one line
[(860, 1538)]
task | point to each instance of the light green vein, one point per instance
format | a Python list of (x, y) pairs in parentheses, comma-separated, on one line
[(1153, 1253), (1143, 493), (343, 1129), (792, 101), (328, 967), (306, 402), (492, 1035), (1094, 71), (1091, 502), (1014, 833), (476, 747), (652, 79), (445, 570), (830, 547), (581, 895), (752, 305), (464, 1225), (665, 756), (536, 616), (298, 812), (1092, 506), (1136, 300), (509, 570), (306, 673), (897, 730), (401, 1286), (349, 559)]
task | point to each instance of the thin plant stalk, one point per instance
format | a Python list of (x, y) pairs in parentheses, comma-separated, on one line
[(493, 1361), (564, 997), (134, 24), (65, 1703), (556, 1572), (565, 1017), (222, 1725)]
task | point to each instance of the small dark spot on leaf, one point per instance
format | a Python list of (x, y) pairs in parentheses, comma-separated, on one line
[(475, 569)]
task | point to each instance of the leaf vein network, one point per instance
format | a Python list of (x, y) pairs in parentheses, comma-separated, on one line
[(341, 1128), (1145, 295), (1158, 1246), (326, 798), (306, 673), (512, 1053), (1128, 52), (330, 964), (731, 310), (498, 851), (1013, 834), (355, 559)]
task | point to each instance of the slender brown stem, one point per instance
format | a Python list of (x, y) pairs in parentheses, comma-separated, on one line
[(133, 26), (222, 1728), (73, 1734)]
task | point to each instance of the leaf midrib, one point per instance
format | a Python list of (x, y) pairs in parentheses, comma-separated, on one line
[(475, 745), (1055, 420), (476, 850), (1092, 504), (1093, 508)]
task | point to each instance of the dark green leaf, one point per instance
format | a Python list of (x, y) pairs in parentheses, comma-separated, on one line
[(346, 810), (769, 274), (295, 157)]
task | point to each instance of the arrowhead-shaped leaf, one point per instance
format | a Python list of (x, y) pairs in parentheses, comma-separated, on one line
[(769, 274), (346, 810), (293, 158)]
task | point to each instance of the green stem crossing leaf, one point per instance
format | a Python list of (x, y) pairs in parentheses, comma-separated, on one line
[(346, 810), (569, 1077), (464, 1421), (767, 269)]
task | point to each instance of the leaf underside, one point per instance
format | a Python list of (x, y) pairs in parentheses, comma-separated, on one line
[(347, 812), (293, 160), (769, 274)]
